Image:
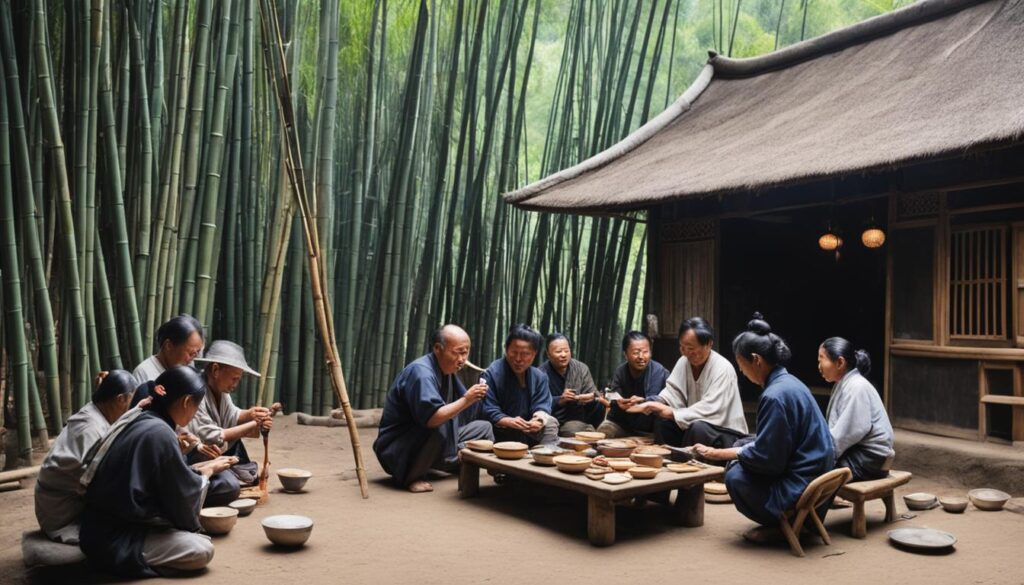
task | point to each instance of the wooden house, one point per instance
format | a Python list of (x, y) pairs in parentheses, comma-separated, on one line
[(908, 126)]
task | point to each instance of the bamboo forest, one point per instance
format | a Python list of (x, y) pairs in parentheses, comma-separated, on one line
[(160, 157)]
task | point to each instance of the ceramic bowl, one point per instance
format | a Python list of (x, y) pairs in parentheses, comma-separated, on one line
[(715, 488), (643, 472), (293, 480), (919, 500), (589, 436), (988, 499), (647, 459), (483, 445), (545, 455), (953, 504), (244, 507), (653, 450), (219, 520), (616, 478), (287, 530), (510, 450), (615, 448), (621, 464), (682, 467), (574, 444), (572, 463)]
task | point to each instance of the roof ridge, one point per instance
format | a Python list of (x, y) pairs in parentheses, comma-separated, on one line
[(864, 31)]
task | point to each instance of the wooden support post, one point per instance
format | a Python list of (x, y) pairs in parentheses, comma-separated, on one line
[(889, 500), (690, 506), (859, 529), (600, 521), (469, 479)]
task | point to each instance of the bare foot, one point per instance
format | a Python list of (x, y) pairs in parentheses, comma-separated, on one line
[(420, 486), (841, 503)]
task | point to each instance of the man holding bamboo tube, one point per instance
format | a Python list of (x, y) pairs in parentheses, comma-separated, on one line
[(427, 416)]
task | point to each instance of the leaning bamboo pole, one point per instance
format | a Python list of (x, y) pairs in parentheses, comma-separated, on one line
[(277, 71)]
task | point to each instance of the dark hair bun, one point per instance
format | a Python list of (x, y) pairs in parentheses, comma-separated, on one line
[(758, 325)]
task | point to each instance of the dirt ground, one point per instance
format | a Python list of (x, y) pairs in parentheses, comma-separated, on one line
[(526, 534)]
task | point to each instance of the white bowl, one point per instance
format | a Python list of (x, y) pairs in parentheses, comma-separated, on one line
[(919, 500), (244, 506), (988, 499), (293, 480), (218, 520), (287, 529)]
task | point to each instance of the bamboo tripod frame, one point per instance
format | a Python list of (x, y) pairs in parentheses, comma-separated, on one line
[(277, 72)]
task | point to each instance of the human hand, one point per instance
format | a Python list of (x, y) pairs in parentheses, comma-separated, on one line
[(185, 440), (476, 393), (266, 423), (709, 453), (99, 377), (209, 451), (145, 402), (586, 398), (258, 412), (535, 425), (568, 395)]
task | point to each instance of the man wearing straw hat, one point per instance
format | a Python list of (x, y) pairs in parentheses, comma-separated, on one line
[(220, 424)]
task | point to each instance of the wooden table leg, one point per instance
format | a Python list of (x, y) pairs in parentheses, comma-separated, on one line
[(889, 500), (690, 506), (469, 479), (859, 529), (600, 521)]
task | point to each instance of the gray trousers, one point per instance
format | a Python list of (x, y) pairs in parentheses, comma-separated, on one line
[(169, 550), (570, 427), (431, 456)]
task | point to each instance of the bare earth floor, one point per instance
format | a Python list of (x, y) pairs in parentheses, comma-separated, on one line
[(531, 535)]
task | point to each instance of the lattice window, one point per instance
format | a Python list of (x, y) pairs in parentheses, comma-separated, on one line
[(916, 205), (978, 274)]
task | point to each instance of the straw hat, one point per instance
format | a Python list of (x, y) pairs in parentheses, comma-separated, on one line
[(228, 353)]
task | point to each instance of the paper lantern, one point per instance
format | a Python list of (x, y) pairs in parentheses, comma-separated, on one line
[(873, 237), (829, 242)]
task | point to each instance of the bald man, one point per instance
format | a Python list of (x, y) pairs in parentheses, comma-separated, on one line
[(427, 416)]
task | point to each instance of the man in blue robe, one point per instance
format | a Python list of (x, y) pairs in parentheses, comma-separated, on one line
[(638, 380), (518, 401), (427, 414)]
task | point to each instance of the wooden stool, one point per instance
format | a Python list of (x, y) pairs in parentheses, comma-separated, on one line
[(859, 492), (818, 493)]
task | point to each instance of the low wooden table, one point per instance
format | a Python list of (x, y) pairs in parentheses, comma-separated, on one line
[(602, 497)]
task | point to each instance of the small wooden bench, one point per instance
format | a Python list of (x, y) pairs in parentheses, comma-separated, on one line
[(859, 492)]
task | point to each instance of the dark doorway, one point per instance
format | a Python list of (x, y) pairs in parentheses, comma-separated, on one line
[(772, 263)]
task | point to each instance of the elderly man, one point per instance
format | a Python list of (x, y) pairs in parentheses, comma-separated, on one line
[(427, 416), (701, 400), (518, 401), (638, 379), (220, 425), (59, 497)]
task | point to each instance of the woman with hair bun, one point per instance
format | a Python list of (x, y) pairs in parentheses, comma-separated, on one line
[(142, 499), (792, 445), (857, 419)]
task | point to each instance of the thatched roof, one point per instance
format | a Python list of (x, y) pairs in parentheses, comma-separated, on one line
[(936, 78)]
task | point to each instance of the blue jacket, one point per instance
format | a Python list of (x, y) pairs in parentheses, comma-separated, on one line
[(505, 397)]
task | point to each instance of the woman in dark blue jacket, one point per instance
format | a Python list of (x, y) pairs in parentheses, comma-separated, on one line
[(792, 445)]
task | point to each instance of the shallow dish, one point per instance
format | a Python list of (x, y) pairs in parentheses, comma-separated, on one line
[(715, 488), (510, 450), (988, 499), (953, 504), (287, 529), (574, 444), (653, 450), (922, 538), (572, 463), (589, 436), (219, 520), (244, 506), (293, 480), (642, 472), (621, 464), (682, 467), (616, 478), (545, 455), (596, 473), (919, 500), (647, 459), (482, 445)]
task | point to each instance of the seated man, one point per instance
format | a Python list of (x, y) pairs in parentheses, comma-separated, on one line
[(59, 495), (220, 424), (575, 401), (701, 400), (425, 420), (518, 402), (639, 379)]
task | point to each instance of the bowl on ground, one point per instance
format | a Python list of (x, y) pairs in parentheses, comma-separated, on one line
[(589, 436), (988, 499), (643, 472), (919, 500), (572, 463), (293, 480), (510, 450), (287, 529), (953, 504), (218, 520), (647, 459), (244, 506)]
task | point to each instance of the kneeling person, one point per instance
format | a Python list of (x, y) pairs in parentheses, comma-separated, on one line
[(424, 424), (518, 401)]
